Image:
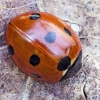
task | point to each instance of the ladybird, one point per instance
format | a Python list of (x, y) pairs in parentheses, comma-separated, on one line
[(44, 47)]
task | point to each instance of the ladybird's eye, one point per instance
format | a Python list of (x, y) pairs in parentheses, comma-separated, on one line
[(67, 31), (35, 16), (50, 37), (34, 60), (36, 75), (64, 63), (11, 50)]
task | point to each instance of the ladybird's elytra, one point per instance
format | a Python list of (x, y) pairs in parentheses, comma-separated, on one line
[(45, 47)]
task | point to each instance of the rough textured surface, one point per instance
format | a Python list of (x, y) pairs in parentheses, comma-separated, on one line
[(84, 17)]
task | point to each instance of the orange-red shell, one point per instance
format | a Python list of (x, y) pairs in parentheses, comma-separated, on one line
[(43, 46)]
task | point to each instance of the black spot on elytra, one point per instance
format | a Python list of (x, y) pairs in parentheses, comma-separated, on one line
[(11, 50), (35, 16), (64, 63), (36, 75), (67, 31), (50, 37), (34, 60)]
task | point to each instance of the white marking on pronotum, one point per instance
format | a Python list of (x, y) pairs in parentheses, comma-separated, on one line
[(64, 72)]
